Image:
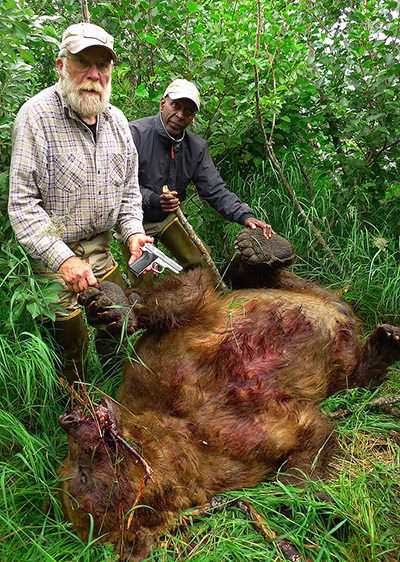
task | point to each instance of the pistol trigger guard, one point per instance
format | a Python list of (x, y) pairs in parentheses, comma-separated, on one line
[(157, 268)]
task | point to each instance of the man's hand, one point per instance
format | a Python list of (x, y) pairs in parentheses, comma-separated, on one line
[(169, 202), (136, 241), (77, 274), (253, 223)]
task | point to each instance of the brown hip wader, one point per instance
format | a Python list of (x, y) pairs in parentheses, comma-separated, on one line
[(69, 329), (71, 338)]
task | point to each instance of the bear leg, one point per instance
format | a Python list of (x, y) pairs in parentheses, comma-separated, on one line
[(108, 308), (381, 350), (259, 259)]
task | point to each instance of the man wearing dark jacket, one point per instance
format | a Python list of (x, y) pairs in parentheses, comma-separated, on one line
[(169, 155)]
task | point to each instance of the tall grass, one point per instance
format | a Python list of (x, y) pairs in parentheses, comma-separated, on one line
[(366, 265), (361, 522)]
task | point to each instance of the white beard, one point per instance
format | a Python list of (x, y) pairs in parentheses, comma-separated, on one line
[(85, 105)]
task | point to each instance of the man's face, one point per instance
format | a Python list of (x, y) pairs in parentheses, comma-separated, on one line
[(86, 80), (177, 114)]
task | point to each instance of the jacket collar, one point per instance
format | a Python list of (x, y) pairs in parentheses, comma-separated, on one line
[(164, 134)]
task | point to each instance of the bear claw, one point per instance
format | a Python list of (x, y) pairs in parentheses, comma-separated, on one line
[(256, 249), (392, 332), (103, 312)]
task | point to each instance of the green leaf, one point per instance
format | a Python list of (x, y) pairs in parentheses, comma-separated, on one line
[(33, 309), (141, 91), (148, 37)]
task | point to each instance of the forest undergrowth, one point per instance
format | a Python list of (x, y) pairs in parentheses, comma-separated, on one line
[(360, 518)]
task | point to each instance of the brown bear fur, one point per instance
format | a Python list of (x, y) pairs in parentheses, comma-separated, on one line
[(222, 392)]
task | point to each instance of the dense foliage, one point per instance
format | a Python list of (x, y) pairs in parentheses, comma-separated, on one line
[(304, 95), (328, 80), (300, 106)]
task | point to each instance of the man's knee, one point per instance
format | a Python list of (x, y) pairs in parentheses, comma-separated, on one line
[(175, 238)]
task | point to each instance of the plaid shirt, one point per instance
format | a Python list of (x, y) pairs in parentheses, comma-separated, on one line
[(64, 187)]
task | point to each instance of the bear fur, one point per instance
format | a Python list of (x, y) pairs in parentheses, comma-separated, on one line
[(222, 392)]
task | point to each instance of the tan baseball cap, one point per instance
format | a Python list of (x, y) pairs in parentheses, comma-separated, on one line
[(179, 89), (80, 36)]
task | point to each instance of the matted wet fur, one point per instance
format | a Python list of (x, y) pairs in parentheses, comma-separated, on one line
[(222, 393)]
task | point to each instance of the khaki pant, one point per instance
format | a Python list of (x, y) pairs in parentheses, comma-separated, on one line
[(97, 253)]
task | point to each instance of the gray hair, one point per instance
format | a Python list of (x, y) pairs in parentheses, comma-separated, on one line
[(62, 53)]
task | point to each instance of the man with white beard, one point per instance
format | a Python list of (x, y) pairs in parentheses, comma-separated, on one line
[(73, 177)]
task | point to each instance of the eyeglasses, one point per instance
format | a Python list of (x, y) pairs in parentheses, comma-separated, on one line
[(83, 64), (186, 111)]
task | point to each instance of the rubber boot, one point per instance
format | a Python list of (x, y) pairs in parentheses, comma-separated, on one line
[(71, 336), (175, 238), (115, 276)]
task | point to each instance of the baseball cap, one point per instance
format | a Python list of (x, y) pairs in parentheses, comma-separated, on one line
[(179, 89), (79, 36)]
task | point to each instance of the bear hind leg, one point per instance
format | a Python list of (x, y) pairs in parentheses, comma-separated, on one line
[(312, 455), (381, 350)]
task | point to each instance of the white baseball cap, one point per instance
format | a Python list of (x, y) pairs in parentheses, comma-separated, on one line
[(80, 36), (179, 89)]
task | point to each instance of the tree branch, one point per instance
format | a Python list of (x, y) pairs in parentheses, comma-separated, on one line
[(197, 241), (85, 11), (382, 402), (268, 146)]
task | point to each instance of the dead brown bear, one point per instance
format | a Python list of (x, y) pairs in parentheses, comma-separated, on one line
[(223, 392)]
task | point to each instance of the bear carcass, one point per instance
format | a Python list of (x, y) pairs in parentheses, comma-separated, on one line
[(222, 392)]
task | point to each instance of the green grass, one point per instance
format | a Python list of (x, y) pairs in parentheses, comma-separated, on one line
[(361, 522)]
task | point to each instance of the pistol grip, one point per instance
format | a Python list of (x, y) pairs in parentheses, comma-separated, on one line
[(140, 264)]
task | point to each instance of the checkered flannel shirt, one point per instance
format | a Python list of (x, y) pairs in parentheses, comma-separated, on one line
[(64, 187)]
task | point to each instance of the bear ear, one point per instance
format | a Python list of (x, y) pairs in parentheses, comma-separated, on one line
[(135, 545)]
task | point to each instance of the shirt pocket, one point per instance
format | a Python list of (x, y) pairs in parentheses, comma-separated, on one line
[(70, 172), (117, 170)]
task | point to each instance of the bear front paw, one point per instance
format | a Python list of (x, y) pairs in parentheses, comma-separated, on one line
[(103, 313)]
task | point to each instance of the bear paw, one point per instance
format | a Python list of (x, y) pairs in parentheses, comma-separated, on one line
[(390, 333), (256, 249), (103, 312)]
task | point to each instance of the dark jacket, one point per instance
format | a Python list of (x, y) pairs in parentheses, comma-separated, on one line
[(176, 163)]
